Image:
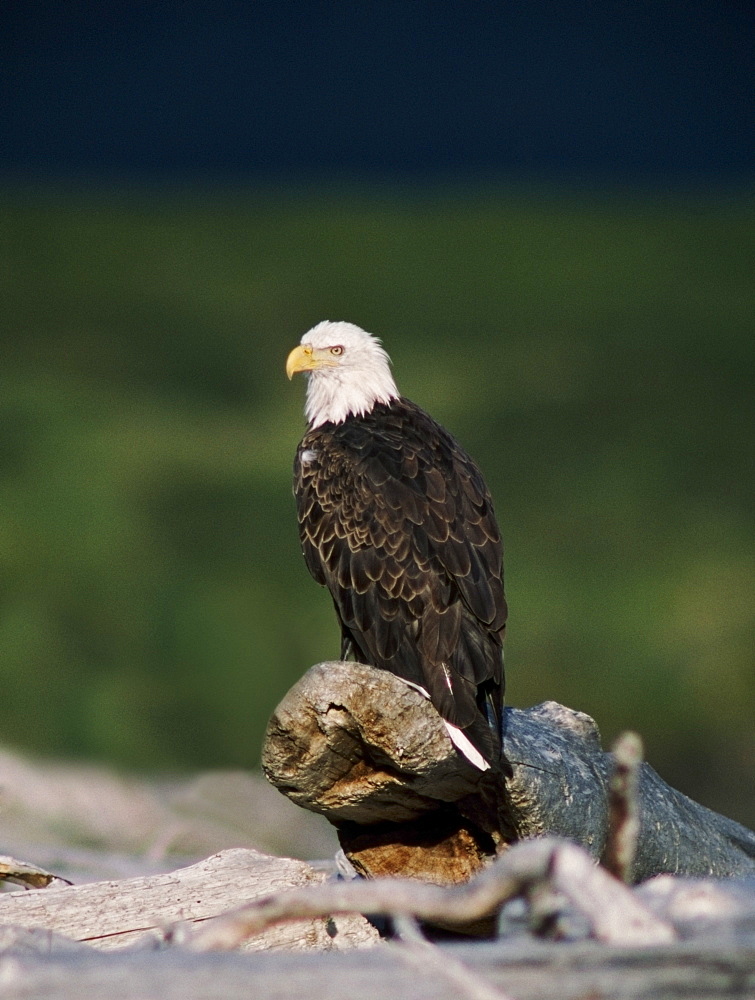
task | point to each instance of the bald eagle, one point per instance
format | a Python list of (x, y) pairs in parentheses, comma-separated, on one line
[(396, 521)]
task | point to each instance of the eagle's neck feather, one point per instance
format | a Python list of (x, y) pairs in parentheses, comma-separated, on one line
[(333, 394)]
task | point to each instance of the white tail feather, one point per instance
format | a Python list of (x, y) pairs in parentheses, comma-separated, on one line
[(462, 743), (465, 746)]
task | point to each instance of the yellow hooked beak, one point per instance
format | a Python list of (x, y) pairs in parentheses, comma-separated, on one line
[(305, 358), (301, 359)]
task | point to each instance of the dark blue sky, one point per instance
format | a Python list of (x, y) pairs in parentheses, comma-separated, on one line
[(650, 91)]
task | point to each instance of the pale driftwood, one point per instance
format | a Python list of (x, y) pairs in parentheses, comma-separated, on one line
[(38, 964), (133, 911), (714, 909), (523, 970), (16, 940), (369, 752), (541, 870)]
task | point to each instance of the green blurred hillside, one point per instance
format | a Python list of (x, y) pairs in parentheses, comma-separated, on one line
[(595, 356)]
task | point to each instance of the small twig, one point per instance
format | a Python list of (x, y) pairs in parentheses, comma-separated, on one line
[(611, 911), (623, 809)]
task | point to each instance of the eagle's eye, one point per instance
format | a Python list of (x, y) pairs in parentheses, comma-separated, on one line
[(336, 351)]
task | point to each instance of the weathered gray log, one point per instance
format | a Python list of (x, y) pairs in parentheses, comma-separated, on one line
[(111, 915), (561, 787), (523, 970), (369, 753)]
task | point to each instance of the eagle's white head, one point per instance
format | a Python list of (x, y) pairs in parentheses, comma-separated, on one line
[(348, 372)]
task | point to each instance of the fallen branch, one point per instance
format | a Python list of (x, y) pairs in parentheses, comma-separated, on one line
[(531, 869)]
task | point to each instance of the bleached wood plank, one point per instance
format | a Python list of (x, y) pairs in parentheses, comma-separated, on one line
[(121, 913), (524, 971)]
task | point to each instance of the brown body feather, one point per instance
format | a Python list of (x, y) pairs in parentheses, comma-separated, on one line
[(396, 521)]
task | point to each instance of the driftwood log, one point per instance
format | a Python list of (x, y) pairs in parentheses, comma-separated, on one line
[(369, 753), (292, 930), (481, 971), (136, 911), (670, 938)]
